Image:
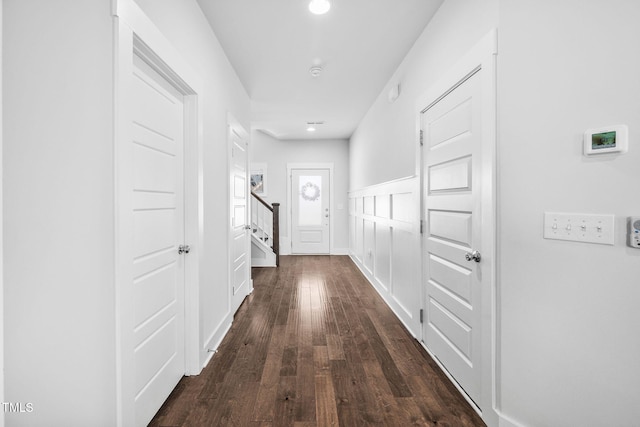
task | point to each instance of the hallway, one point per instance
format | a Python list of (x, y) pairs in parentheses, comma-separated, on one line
[(314, 345)]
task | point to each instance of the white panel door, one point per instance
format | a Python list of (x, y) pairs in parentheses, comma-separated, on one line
[(158, 229), (240, 237), (310, 210), (452, 134)]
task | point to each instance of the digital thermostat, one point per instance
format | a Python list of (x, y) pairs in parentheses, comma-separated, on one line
[(611, 139)]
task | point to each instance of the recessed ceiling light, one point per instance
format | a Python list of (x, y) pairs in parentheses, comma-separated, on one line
[(311, 129), (319, 7)]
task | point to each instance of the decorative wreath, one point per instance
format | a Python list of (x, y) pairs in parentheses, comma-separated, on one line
[(310, 192)]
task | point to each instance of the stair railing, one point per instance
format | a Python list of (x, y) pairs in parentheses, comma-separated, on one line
[(265, 223)]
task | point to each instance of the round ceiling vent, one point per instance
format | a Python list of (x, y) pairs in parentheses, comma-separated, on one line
[(315, 71)]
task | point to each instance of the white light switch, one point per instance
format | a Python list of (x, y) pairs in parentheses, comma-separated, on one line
[(579, 227)]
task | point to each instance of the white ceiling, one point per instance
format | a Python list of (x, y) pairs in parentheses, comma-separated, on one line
[(273, 43)]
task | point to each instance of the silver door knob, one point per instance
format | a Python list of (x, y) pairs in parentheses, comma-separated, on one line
[(475, 256), (184, 249)]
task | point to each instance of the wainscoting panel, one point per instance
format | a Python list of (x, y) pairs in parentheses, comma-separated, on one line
[(368, 205), (383, 206), (385, 244), (406, 290), (369, 244), (383, 256)]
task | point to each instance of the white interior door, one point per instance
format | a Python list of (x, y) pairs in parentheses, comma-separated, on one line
[(452, 131), (158, 229), (310, 211), (240, 237)]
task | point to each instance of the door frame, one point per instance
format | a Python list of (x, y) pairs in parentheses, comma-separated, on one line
[(234, 126), (136, 34), (1, 221), (481, 57), (290, 168)]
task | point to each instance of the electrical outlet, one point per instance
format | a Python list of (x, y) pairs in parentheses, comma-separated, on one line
[(585, 228)]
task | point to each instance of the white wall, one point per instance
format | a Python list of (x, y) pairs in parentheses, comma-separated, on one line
[(58, 212), (276, 154), (569, 311), (184, 25), (58, 199), (383, 148)]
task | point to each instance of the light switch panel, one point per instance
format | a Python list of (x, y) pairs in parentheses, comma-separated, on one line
[(586, 228)]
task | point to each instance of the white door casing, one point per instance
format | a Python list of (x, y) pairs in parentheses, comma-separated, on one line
[(1, 230), (240, 237), (137, 38), (310, 211), (457, 167)]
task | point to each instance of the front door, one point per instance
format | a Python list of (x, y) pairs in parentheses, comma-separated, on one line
[(452, 182), (310, 211), (158, 230), (240, 237)]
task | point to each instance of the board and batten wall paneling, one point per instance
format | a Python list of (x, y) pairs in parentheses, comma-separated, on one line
[(385, 244)]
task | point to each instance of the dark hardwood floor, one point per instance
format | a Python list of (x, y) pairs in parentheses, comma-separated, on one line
[(315, 345)]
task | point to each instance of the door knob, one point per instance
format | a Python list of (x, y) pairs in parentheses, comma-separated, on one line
[(475, 256), (184, 249)]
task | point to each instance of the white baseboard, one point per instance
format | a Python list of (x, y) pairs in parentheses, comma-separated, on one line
[(285, 245), (504, 421), (262, 262), (285, 248), (340, 251), (212, 344)]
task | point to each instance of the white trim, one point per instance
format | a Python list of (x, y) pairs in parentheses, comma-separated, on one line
[(340, 251), (262, 263), (285, 241), (383, 187), (135, 32), (1, 227), (482, 56), (290, 168), (506, 421), (212, 343)]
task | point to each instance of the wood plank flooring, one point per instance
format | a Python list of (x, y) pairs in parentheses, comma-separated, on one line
[(315, 345)]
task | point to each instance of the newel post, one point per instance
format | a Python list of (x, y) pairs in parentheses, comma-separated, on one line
[(276, 232)]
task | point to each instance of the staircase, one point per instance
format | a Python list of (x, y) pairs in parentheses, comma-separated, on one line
[(265, 233)]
